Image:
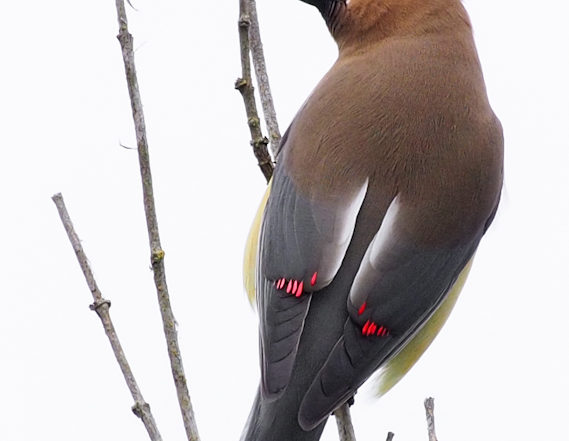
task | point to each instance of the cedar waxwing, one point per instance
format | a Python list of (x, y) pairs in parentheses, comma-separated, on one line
[(385, 182)]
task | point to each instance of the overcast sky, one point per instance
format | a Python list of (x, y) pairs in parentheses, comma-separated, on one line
[(499, 370)]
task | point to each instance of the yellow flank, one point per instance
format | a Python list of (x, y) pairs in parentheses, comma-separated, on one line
[(398, 366), (251, 247)]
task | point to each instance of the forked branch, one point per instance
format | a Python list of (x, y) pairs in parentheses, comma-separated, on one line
[(263, 79), (245, 86)]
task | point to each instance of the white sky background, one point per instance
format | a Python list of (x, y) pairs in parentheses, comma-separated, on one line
[(499, 370)]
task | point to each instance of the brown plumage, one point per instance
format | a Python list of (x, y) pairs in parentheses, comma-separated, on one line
[(385, 183)]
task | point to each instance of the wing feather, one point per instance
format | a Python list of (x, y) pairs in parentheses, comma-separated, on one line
[(301, 236), (400, 284)]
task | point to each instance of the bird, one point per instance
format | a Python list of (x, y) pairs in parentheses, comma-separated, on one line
[(384, 184)]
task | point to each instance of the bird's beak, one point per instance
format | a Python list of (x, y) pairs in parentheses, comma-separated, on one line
[(320, 4)]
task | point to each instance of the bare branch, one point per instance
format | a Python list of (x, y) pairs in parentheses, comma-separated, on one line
[(245, 86), (430, 410), (263, 79), (344, 423), (101, 306), (157, 254)]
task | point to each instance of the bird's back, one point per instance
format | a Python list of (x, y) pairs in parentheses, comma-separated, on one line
[(385, 183), (395, 112)]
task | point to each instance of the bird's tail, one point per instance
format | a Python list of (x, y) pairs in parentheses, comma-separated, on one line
[(273, 421)]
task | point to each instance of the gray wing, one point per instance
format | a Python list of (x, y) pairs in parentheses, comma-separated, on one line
[(303, 241), (400, 283)]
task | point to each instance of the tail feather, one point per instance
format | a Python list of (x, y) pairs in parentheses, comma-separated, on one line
[(273, 421)]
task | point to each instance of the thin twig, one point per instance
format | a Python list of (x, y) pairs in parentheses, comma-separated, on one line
[(101, 306), (344, 423), (263, 79), (157, 254), (390, 436), (430, 410), (245, 86)]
